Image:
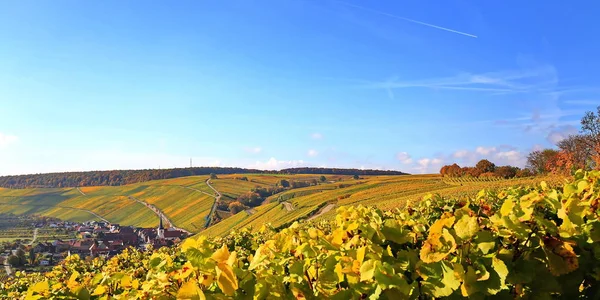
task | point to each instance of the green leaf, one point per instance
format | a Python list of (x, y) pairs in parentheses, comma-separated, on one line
[(367, 269), (439, 279), (393, 230), (485, 242), (466, 227)]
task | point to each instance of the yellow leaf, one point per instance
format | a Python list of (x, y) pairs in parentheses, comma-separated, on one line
[(100, 290), (507, 207), (562, 259), (338, 237), (360, 254), (72, 283), (126, 281), (339, 272), (190, 291), (221, 255), (40, 287), (437, 247), (312, 233), (188, 244), (232, 260), (226, 279)]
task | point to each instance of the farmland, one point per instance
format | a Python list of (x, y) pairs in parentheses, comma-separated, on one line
[(187, 201), (385, 192)]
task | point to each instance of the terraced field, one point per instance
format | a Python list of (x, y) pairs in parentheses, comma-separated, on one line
[(385, 192), (186, 207), (187, 201)]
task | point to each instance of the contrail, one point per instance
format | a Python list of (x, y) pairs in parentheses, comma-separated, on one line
[(406, 19)]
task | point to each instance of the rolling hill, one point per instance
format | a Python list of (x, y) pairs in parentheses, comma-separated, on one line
[(190, 203)]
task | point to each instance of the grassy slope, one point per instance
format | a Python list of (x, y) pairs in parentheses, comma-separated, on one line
[(188, 208), (385, 192)]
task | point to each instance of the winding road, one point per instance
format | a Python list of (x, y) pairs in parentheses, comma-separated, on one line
[(322, 211), (7, 268), (214, 207), (288, 206), (159, 213), (35, 234), (80, 191)]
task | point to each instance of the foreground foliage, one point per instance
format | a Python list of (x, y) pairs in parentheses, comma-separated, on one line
[(517, 243)]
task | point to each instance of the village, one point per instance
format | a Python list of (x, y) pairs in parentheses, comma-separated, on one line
[(88, 239)]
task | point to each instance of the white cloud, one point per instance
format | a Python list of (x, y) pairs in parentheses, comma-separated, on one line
[(484, 150), (254, 150), (561, 133), (499, 155), (316, 136), (460, 154), (312, 153), (538, 78), (428, 165), (404, 157), (7, 139), (274, 164)]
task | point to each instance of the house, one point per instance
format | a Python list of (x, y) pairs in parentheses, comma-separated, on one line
[(60, 246), (172, 234), (81, 247), (117, 245), (99, 248)]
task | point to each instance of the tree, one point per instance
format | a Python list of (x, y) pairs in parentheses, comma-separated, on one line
[(538, 160), (506, 172), (454, 170), (356, 177), (524, 173), (284, 183), (576, 152), (236, 207), (213, 176), (485, 166), (323, 178), (250, 199), (590, 126), (14, 261)]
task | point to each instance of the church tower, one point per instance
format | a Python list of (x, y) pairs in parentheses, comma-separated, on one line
[(160, 232)]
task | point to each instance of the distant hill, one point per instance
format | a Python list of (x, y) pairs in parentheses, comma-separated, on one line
[(121, 177)]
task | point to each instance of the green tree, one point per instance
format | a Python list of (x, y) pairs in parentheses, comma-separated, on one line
[(356, 176), (14, 261), (236, 207), (213, 176), (323, 178), (284, 183)]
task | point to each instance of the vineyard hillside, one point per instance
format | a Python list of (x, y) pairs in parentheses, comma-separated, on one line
[(190, 203), (536, 241)]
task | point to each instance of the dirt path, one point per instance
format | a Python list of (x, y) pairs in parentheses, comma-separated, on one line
[(197, 190), (288, 206), (322, 211), (7, 268), (35, 234), (159, 213), (214, 207), (79, 190)]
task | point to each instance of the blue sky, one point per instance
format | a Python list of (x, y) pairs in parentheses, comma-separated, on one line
[(404, 85)]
